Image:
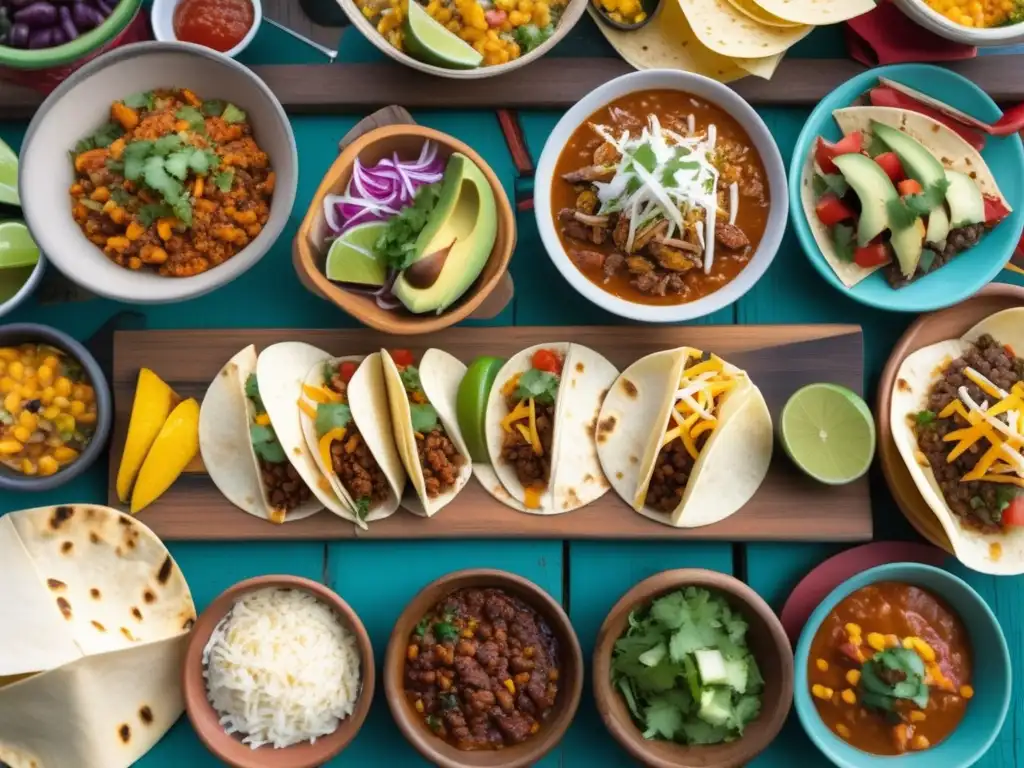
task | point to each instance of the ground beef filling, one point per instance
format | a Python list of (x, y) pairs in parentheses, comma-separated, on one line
[(975, 503), (958, 241), (482, 667), (672, 470), (531, 469), (440, 460), (285, 489), (357, 469)]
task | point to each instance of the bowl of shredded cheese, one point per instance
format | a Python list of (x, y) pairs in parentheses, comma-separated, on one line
[(278, 674)]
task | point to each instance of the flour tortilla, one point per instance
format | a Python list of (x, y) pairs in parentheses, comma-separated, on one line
[(751, 9), (816, 12), (225, 444), (724, 30), (732, 464), (368, 401), (909, 396)]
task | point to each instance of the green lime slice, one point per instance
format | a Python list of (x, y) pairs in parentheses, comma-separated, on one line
[(17, 248), (471, 405), (8, 176), (427, 40), (829, 432), (352, 258)]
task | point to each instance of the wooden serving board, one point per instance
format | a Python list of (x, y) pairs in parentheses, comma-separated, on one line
[(780, 359)]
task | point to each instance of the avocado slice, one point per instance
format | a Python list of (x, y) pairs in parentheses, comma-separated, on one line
[(916, 159), (966, 204), (938, 227), (908, 243), (875, 191)]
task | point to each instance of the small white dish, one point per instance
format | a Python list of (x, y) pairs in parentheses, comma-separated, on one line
[(932, 20), (162, 19)]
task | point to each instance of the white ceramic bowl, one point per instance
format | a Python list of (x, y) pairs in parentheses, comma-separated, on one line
[(161, 16), (705, 88), (82, 103), (573, 11), (934, 21)]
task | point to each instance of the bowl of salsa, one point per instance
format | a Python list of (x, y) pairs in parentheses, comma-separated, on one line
[(903, 661), (225, 26)]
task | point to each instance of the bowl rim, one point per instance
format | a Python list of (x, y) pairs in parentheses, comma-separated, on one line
[(27, 288), (170, 290), (978, 36), (205, 721), (161, 17), (624, 730), (906, 572), (722, 97), (533, 595), (104, 407), (397, 323), (799, 217), (123, 15)]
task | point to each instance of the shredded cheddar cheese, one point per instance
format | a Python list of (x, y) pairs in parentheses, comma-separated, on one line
[(307, 409), (523, 419), (698, 401), (325, 444), (320, 394)]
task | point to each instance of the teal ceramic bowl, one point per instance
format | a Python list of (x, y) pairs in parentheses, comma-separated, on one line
[(991, 677), (969, 272)]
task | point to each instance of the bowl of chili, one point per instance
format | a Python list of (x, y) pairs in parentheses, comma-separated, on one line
[(907, 645), (483, 669), (225, 26)]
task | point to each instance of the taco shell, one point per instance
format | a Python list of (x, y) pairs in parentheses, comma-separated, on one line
[(816, 12), (723, 29)]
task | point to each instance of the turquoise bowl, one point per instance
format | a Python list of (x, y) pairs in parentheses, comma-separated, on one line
[(971, 271), (986, 712)]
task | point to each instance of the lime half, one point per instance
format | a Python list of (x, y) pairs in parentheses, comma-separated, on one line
[(427, 40), (352, 258), (829, 432), (8, 176), (471, 405), (17, 248)]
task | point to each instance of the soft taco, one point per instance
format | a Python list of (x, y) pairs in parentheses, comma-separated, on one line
[(901, 192), (685, 437), (540, 427), (957, 417), (241, 450), (426, 428), (347, 426)]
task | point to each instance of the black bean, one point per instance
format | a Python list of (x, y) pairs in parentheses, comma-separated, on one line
[(86, 17), (18, 36), (37, 15), (41, 38), (59, 38), (67, 24)]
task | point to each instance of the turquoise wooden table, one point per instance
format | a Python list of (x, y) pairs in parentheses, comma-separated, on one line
[(378, 578)]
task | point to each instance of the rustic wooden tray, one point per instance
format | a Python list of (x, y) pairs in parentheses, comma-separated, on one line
[(780, 359)]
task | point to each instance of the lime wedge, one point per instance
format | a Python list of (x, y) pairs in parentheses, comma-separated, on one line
[(8, 176), (429, 41), (471, 405), (17, 248), (352, 258), (829, 432)]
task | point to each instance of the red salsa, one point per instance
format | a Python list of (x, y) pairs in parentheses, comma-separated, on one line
[(217, 24)]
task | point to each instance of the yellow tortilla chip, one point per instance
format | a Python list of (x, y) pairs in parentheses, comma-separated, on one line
[(757, 13), (724, 30), (816, 12)]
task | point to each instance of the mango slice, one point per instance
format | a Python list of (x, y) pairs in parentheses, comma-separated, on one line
[(150, 408), (175, 446)]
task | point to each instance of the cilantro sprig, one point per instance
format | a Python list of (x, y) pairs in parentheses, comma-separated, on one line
[(163, 165), (331, 416), (397, 243), (542, 386)]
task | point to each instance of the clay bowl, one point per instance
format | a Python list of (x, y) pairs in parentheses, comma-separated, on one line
[(950, 323), (439, 752), (767, 640), (310, 254), (228, 748)]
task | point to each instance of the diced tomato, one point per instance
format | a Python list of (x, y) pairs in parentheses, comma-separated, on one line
[(1014, 514), (872, 255), (547, 360), (892, 166), (889, 97), (495, 18), (831, 210), (347, 370), (825, 151), (402, 357), (995, 210), (909, 187)]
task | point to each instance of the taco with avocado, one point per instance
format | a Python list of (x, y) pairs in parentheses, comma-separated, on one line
[(957, 417), (347, 426), (241, 450), (426, 428), (685, 437)]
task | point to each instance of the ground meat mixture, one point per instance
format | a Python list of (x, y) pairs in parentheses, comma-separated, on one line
[(357, 468), (440, 460), (974, 503), (482, 668), (958, 241), (285, 489), (531, 469), (672, 471)]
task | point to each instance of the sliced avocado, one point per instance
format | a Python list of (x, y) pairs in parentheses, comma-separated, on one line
[(966, 204), (916, 159), (711, 665), (908, 243), (715, 706), (938, 226), (875, 191)]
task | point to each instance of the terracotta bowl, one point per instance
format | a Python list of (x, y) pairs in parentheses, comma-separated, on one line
[(439, 752), (310, 253), (767, 640), (229, 748)]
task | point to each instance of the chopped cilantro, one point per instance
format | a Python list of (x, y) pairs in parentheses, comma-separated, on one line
[(163, 166), (421, 627), (120, 195), (927, 259), (829, 182), (1005, 496), (530, 36), (900, 214), (902, 664), (542, 386), (224, 180), (424, 417), (331, 416), (252, 391), (102, 137), (433, 722), (411, 379), (213, 108), (875, 146), (232, 114), (266, 444), (645, 158), (925, 417), (843, 239), (449, 700), (193, 117), (141, 100), (149, 213), (444, 630), (5, 417), (362, 507), (397, 243)]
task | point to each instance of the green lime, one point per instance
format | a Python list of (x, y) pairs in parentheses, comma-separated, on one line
[(427, 40), (471, 405), (17, 248), (829, 432), (8, 176), (352, 258)]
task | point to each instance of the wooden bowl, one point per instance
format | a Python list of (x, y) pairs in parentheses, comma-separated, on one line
[(229, 748), (435, 749), (950, 323), (310, 254), (767, 640)]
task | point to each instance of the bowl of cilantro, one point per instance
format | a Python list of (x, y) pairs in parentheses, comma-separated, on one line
[(693, 668)]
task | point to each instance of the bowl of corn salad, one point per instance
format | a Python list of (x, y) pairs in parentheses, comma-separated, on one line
[(502, 34), (55, 408), (980, 23)]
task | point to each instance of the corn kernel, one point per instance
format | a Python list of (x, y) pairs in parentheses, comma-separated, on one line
[(63, 454), (917, 716), (21, 434), (853, 677), (48, 465), (821, 692), (419, 705), (46, 396), (920, 742), (28, 467), (511, 686), (966, 691), (849, 697), (10, 447), (16, 370), (63, 386), (51, 412), (28, 420), (412, 652), (852, 630), (12, 403), (822, 665), (876, 641), (842, 730), (77, 408), (62, 402), (7, 385)]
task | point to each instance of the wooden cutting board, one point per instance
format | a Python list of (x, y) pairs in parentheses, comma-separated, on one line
[(780, 359)]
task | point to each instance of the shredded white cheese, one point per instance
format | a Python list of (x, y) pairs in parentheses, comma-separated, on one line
[(281, 669)]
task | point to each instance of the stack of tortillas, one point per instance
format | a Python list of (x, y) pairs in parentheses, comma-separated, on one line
[(95, 615), (726, 39)]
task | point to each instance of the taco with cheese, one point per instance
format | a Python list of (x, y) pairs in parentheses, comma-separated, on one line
[(685, 437), (957, 417)]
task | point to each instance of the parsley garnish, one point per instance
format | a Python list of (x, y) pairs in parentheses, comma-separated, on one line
[(266, 445), (900, 214), (232, 114), (444, 630), (331, 416), (142, 100), (421, 628), (397, 243), (879, 694), (193, 117), (433, 723), (224, 180), (424, 417), (252, 391), (411, 379), (542, 386), (163, 165), (102, 137), (530, 36), (843, 239)]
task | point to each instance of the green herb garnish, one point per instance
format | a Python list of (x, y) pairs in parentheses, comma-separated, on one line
[(829, 182), (424, 417), (141, 100), (195, 119), (224, 180), (433, 722), (444, 630), (213, 107), (542, 386), (844, 240), (102, 137), (163, 165), (397, 243), (902, 665), (252, 391), (421, 627), (925, 417), (232, 114), (1006, 495), (331, 416), (265, 443), (411, 379), (530, 36), (362, 507)]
